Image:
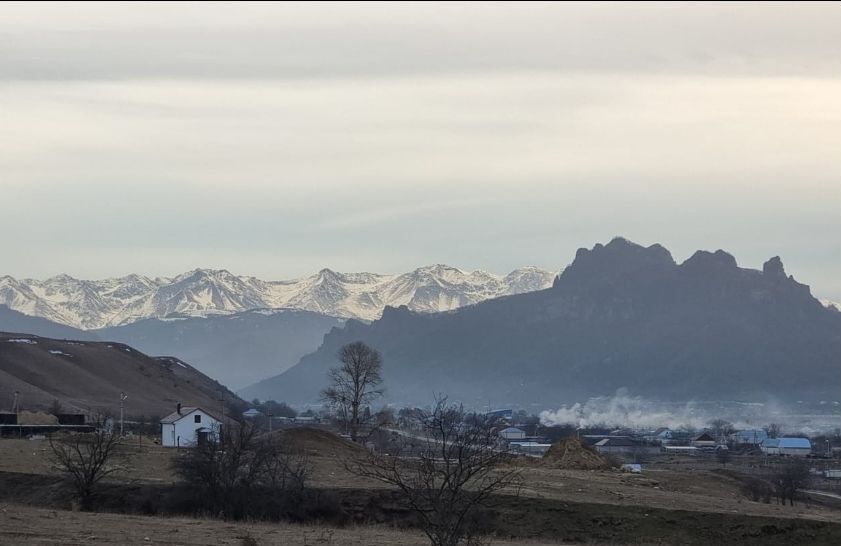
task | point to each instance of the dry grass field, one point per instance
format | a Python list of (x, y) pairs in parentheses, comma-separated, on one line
[(666, 504)]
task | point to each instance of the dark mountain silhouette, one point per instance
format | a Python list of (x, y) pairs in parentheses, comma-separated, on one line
[(621, 315)]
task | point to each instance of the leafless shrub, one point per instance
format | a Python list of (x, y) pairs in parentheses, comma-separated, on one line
[(791, 477), (86, 458), (448, 474), (242, 474), (757, 490)]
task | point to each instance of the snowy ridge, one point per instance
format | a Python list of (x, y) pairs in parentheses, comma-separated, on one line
[(201, 292), (831, 304)]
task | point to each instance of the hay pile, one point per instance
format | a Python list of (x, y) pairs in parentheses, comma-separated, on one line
[(571, 453), (36, 418)]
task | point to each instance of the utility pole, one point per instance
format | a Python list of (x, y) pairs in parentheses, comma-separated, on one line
[(16, 408), (123, 397), (270, 415)]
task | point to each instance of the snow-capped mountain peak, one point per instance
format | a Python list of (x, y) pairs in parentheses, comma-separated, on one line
[(201, 292)]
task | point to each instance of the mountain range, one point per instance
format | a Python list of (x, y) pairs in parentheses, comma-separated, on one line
[(105, 303), (620, 316)]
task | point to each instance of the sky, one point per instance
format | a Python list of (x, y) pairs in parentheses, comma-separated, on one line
[(278, 139)]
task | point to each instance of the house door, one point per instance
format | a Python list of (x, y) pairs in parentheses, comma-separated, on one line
[(201, 436)]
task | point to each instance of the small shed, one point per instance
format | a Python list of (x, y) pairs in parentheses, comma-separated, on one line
[(512, 433), (189, 426)]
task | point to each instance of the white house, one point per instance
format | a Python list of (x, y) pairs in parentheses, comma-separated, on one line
[(512, 433), (189, 426)]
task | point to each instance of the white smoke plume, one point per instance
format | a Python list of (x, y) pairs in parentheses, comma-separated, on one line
[(634, 412)]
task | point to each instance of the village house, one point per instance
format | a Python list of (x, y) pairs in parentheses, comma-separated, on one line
[(705, 439), (189, 426), (753, 437), (512, 433)]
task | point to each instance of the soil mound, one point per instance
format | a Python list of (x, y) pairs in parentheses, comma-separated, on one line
[(571, 453), (315, 441)]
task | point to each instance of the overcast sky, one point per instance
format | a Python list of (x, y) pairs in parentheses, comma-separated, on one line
[(274, 140)]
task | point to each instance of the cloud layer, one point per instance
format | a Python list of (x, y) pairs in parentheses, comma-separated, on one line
[(275, 139)]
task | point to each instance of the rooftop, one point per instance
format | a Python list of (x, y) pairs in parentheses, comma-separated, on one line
[(185, 411)]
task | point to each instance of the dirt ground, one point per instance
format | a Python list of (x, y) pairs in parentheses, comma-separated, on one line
[(24, 525)]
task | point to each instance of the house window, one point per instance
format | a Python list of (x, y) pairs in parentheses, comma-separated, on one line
[(197, 419)]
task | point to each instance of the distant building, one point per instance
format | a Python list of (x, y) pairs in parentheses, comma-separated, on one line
[(705, 439), (71, 419), (512, 433), (749, 437), (662, 435), (796, 447), (189, 426), (252, 413)]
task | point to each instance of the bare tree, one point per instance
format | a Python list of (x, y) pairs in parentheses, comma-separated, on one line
[(354, 384), (721, 429), (448, 474), (86, 458), (284, 470), (774, 430), (791, 477), (231, 472)]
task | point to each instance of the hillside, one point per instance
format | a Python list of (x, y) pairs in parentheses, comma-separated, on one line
[(237, 349), (15, 321), (620, 315), (88, 376)]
